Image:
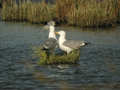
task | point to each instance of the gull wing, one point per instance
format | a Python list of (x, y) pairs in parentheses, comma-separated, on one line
[(50, 43), (74, 44)]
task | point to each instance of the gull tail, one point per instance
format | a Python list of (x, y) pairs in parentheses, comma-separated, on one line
[(87, 43)]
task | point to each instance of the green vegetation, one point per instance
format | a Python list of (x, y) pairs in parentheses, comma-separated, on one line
[(83, 13), (71, 58), (27, 11)]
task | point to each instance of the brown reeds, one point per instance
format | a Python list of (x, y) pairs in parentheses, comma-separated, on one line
[(88, 13), (40, 12), (28, 11), (9, 12), (118, 6), (84, 13), (63, 7)]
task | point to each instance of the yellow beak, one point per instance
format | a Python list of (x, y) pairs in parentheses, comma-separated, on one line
[(56, 33)]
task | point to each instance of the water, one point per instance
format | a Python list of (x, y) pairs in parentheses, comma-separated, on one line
[(98, 67)]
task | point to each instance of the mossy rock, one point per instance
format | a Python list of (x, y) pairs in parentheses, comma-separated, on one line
[(71, 58)]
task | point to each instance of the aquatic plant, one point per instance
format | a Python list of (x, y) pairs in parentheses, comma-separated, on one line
[(62, 9), (9, 12), (28, 11), (44, 59), (40, 12), (0, 3), (87, 12), (83, 13), (118, 6)]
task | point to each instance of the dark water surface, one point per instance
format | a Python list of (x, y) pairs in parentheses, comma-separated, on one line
[(98, 67)]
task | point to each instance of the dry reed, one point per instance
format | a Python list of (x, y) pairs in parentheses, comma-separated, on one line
[(83, 13), (87, 13)]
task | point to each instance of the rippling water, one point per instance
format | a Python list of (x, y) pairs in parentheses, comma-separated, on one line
[(98, 67)]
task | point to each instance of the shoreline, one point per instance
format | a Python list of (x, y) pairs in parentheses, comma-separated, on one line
[(63, 25)]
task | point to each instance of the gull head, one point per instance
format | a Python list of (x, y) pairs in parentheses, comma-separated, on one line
[(49, 25), (61, 33)]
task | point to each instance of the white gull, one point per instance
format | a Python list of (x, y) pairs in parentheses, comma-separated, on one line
[(68, 45)]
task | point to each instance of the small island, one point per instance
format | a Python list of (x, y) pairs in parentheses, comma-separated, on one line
[(44, 59)]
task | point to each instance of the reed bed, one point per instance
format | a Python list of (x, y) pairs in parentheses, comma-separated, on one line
[(40, 12), (0, 3), (83, 13), (13, 12), (87, 12), (28, 11), (118, 10)]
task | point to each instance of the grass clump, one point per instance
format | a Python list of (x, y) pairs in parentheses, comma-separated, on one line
[(71, 58)]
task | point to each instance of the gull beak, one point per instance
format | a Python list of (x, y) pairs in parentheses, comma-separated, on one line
[(57, 33)]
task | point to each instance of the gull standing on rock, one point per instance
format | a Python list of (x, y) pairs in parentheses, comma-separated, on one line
[(68, 45)]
